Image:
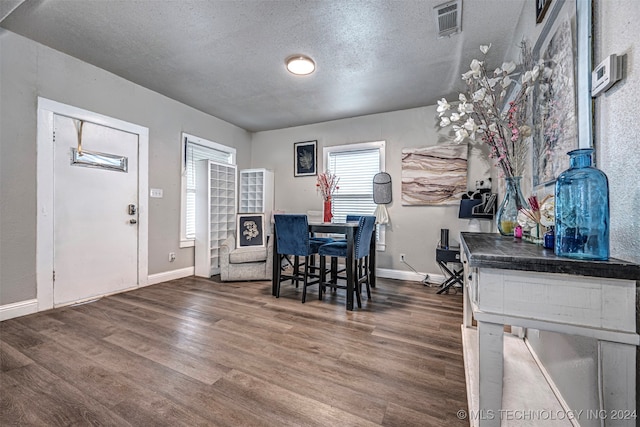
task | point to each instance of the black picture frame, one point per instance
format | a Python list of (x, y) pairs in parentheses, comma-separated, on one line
[(250, 231), (541, 9), (305, 155)]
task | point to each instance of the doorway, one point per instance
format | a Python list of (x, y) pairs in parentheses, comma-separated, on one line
[(92, 205)]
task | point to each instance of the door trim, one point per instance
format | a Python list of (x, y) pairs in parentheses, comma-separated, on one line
[(45, 189)]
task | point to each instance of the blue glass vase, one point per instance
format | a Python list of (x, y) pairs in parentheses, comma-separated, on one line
[(507, 216), (582, 209)]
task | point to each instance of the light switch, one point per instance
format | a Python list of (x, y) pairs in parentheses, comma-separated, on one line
[(156, 193)]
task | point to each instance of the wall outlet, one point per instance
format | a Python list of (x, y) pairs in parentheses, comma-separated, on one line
[(402, 257), (172, 256)]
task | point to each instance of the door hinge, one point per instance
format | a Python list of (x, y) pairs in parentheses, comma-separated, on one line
[(54, 276)]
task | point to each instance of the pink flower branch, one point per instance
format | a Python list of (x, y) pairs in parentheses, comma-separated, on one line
[(327, 184)]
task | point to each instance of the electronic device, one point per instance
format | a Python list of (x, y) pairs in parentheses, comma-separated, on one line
[(444, 238), (382, 188), (606, 74)]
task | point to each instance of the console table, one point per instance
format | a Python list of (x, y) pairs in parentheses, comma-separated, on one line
[(511, 282)]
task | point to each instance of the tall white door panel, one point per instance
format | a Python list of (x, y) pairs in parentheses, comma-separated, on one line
[(95, 210)]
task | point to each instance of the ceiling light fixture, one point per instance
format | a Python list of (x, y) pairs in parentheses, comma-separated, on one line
[(300, 65)]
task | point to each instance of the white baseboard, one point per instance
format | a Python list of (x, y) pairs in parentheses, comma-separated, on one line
[(386, 273), (165, 276), (411, 276), (17, 309), (22, 308)]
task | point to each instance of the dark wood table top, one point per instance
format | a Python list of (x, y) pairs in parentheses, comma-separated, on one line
[(490, 250)]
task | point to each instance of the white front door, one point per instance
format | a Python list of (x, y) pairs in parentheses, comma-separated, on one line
[(95, 247)]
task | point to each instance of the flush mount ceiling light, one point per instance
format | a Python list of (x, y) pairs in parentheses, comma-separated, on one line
[(300, 65)]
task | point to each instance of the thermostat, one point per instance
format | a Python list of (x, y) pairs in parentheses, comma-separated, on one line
[(606, 74)]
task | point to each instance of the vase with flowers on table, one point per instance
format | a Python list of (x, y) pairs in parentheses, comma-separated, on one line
[(487, 115), (327, 185), (538, 220)]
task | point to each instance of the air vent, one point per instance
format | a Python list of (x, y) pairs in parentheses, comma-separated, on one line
[(448, 16)]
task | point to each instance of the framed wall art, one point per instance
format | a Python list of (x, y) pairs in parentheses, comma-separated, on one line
[(435, 175), (541, 9), (305, 158), (555, 118), (250, 231)]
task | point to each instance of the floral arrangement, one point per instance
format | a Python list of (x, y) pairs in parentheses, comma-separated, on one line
[(537, 215), (481, 111), (327, 184)]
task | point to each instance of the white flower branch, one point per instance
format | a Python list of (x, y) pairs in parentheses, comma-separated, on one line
[(479, 111)]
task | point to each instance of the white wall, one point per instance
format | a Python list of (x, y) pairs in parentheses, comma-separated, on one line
[(616, 137), (29, 70), (414, 230)]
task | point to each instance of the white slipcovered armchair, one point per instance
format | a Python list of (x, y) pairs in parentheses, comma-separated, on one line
[(245, 263)]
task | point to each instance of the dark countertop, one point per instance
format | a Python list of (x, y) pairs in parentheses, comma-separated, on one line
[(491, 250)]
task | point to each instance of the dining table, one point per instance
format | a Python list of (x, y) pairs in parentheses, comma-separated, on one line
[(349, 230)]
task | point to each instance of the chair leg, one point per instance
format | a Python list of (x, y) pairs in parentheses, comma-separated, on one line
[(306, 278), (357, 292), (296, 267), (278, 276), (367, 272), (334, 270), (323, 276), (363, 276)]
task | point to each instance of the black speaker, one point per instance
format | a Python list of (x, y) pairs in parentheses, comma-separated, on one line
[(444, 238)]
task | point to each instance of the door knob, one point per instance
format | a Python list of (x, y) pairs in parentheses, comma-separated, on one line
[(131, 209), (133, 221)]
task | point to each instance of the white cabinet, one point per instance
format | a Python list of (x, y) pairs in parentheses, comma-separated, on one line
[(215, 213), (514, 283), (256, 193)]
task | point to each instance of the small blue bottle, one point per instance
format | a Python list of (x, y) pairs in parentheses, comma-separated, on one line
[(549, 239), (582, 209)]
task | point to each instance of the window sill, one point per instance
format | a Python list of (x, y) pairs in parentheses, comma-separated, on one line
[(188, 243)]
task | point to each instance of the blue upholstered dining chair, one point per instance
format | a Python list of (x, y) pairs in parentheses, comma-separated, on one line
[(362, 262), (366, 225), (292, 233)]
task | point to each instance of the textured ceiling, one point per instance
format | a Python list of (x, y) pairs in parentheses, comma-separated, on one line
[(226, 58)]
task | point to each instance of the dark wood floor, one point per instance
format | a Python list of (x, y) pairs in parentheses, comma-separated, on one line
[(197, 352)]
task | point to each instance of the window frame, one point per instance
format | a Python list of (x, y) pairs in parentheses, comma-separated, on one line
[(381, 146), (185, 139)]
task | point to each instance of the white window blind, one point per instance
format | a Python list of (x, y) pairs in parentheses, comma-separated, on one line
[(193, 153), (356, 170)]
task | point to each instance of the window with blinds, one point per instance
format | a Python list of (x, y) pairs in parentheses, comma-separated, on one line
[(355, 166), (196, 149)]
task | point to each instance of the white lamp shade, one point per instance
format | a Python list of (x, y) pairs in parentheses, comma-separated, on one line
[(300, 65)]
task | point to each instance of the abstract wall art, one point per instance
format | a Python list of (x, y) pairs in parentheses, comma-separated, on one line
[(435, 175)]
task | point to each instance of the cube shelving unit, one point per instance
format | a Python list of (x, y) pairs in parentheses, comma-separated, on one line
[(216, 207), (256, 193)]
